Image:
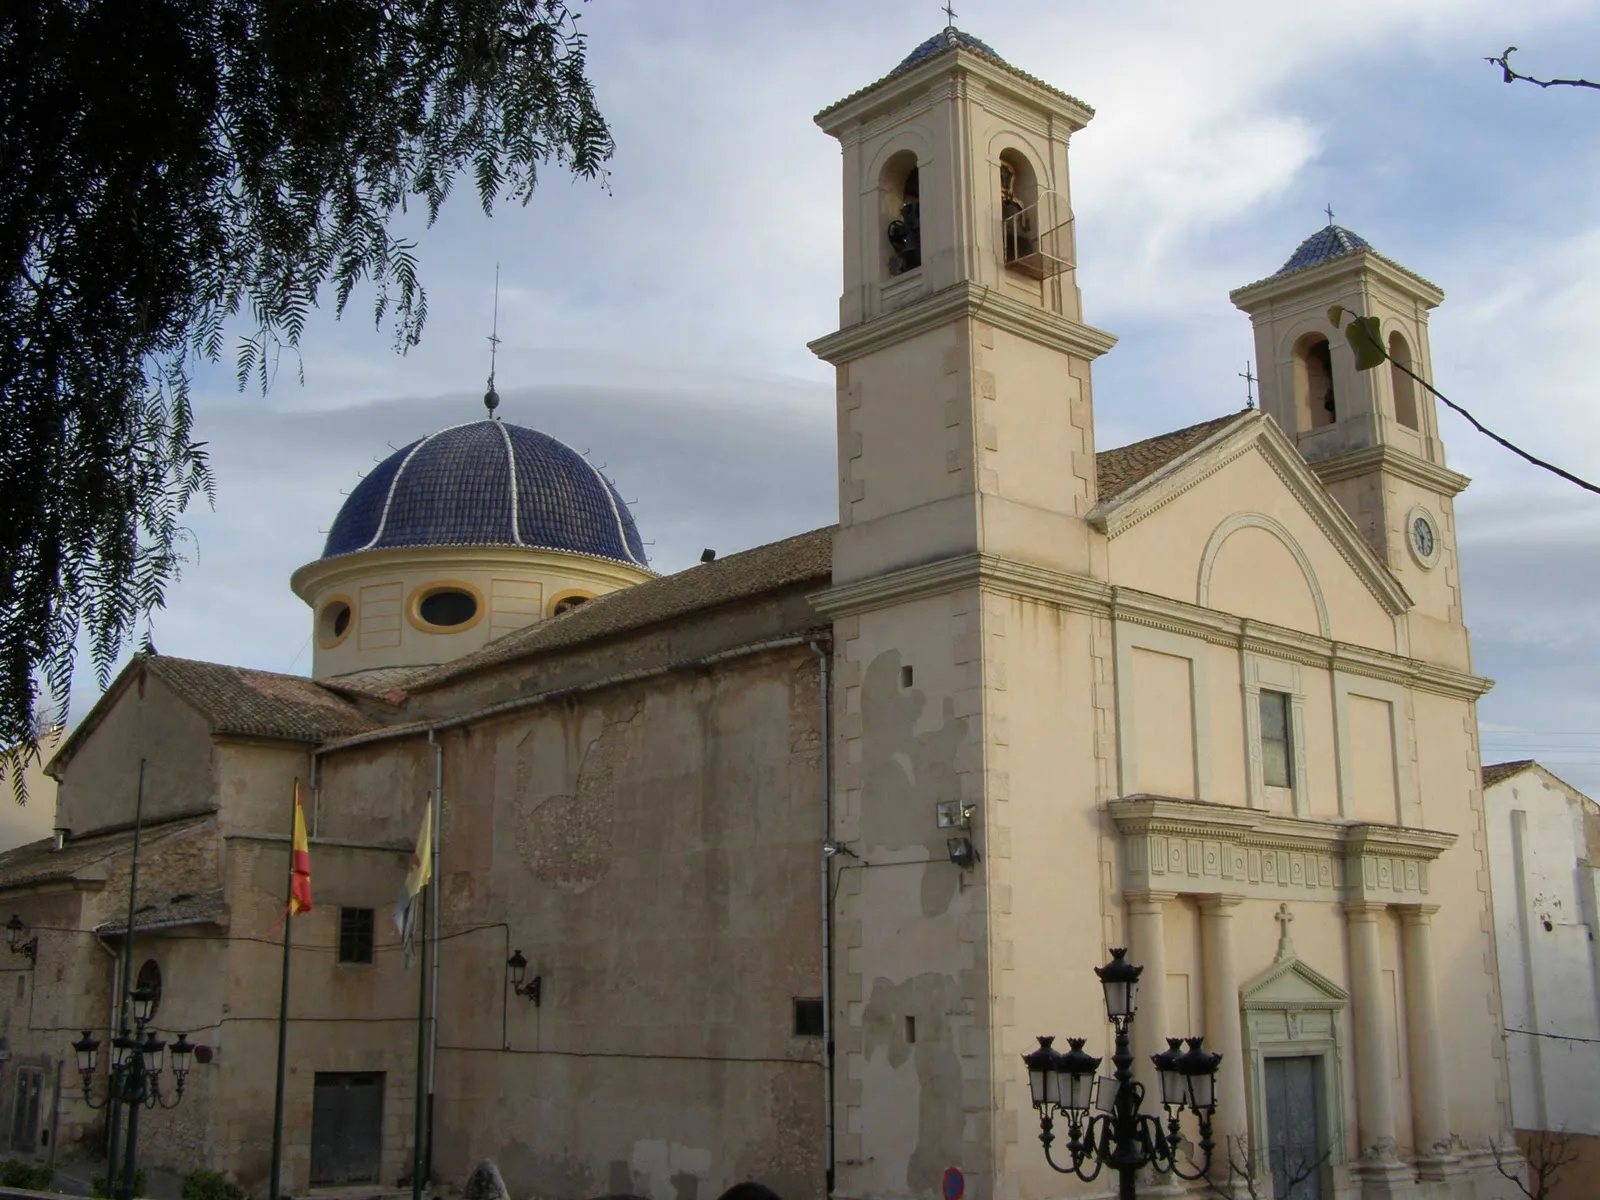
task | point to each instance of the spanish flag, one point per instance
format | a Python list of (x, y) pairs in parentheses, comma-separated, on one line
[(300, 881)]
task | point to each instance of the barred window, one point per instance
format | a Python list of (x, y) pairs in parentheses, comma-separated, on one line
[(355, 935)]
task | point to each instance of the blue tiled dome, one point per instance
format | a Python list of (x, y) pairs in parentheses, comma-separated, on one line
[(943, 40), (487, 484), (1331, 241)]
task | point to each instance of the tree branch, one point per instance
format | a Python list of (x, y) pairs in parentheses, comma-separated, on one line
[(1510, 76)]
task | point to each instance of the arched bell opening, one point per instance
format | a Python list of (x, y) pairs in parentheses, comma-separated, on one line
[(1035, 223), (901, 214), (1403, 386), (1315, 406)]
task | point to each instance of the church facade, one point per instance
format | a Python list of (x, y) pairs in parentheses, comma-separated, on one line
[(801, 849)]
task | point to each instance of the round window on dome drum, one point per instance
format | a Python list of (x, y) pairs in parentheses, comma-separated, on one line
[(334, 623), (447, 607)]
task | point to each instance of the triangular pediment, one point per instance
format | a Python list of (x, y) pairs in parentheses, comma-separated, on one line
[(1144, 495), (1293, 985)]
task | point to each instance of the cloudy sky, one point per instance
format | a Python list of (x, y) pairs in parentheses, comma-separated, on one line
[(662, 326)]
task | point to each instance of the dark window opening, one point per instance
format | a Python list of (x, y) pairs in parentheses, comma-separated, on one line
[(1275, 746), (905, 230), (448, 608), (911, 1029), (569, 602), (905, 677), (355, 935), (808, 1018)]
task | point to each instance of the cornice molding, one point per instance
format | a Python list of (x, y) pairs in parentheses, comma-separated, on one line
[(1356, 268), (1008, 81), (1396, 462), (1222, 448), (1196, 847), (965, 300), (1079, 593)]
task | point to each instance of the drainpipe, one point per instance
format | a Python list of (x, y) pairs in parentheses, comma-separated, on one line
[(433, 895), (823, 652)]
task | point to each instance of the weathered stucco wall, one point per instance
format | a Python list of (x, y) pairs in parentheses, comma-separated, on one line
[(653, 850), (1545, 887), (100, 783)]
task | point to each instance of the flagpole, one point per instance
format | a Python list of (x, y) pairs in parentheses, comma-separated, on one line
[(418, 1123), (273, 1185)]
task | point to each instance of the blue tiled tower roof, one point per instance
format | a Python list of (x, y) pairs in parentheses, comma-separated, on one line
[(944, 39), (487, 484), (1331, 241)]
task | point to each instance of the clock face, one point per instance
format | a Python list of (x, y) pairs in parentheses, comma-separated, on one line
[(1422, 537)]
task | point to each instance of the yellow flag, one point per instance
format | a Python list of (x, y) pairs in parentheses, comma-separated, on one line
[(422, 857)]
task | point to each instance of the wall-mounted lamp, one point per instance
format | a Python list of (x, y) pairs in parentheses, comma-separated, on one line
[(519, 968), (962, 852), (14, 931), (954, 814)]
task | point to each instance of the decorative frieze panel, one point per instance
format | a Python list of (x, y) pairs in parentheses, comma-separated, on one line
[(1192, 846)]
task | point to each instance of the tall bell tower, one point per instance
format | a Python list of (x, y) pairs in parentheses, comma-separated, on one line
[(966, 475), (1371, 436)]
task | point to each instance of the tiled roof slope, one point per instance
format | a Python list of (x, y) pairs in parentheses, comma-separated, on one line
[(251, 703), (1119, 469), (180, 909), (1495, 772), (41, 862), (722, 581), (1331, 241)]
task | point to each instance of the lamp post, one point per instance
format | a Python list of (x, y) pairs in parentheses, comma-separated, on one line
[(136, 1064), (519, 969), (1120, 1136), (14, 931)]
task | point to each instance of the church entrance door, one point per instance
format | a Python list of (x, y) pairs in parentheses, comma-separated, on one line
[(346, 1127), (1292, 1124)]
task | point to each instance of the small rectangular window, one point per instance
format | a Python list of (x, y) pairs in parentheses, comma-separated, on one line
[(355, 935), (1275, 747), (808, 1018)]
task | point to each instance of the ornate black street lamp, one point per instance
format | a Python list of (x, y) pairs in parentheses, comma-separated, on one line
[(136, 1064), (519, 969), (1120, 1136)]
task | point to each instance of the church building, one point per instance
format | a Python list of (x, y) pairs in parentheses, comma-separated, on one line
[(771, 870)]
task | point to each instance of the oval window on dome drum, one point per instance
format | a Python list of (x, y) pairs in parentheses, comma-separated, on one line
[(447, 607), (334, 622)]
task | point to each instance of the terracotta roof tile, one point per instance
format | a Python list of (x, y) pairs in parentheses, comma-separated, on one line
[(749, 573), (41, 862), (1493, 773), (185, 908), (1119, 469), (251, 703)]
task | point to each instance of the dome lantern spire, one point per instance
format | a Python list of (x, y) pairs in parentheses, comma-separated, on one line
[(491, 398)]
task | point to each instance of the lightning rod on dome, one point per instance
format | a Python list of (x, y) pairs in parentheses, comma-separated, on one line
[(1329, 211), (491, 398)]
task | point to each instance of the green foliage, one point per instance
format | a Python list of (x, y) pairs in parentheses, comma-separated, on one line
[(27, 1177), (97, 1185), (210, 1185), (174, 167), (1365, 338)]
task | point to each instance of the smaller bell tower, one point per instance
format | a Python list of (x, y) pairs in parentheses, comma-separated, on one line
[(1371, 436)]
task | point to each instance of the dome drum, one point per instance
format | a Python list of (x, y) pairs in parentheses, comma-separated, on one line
[(459, 538)]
